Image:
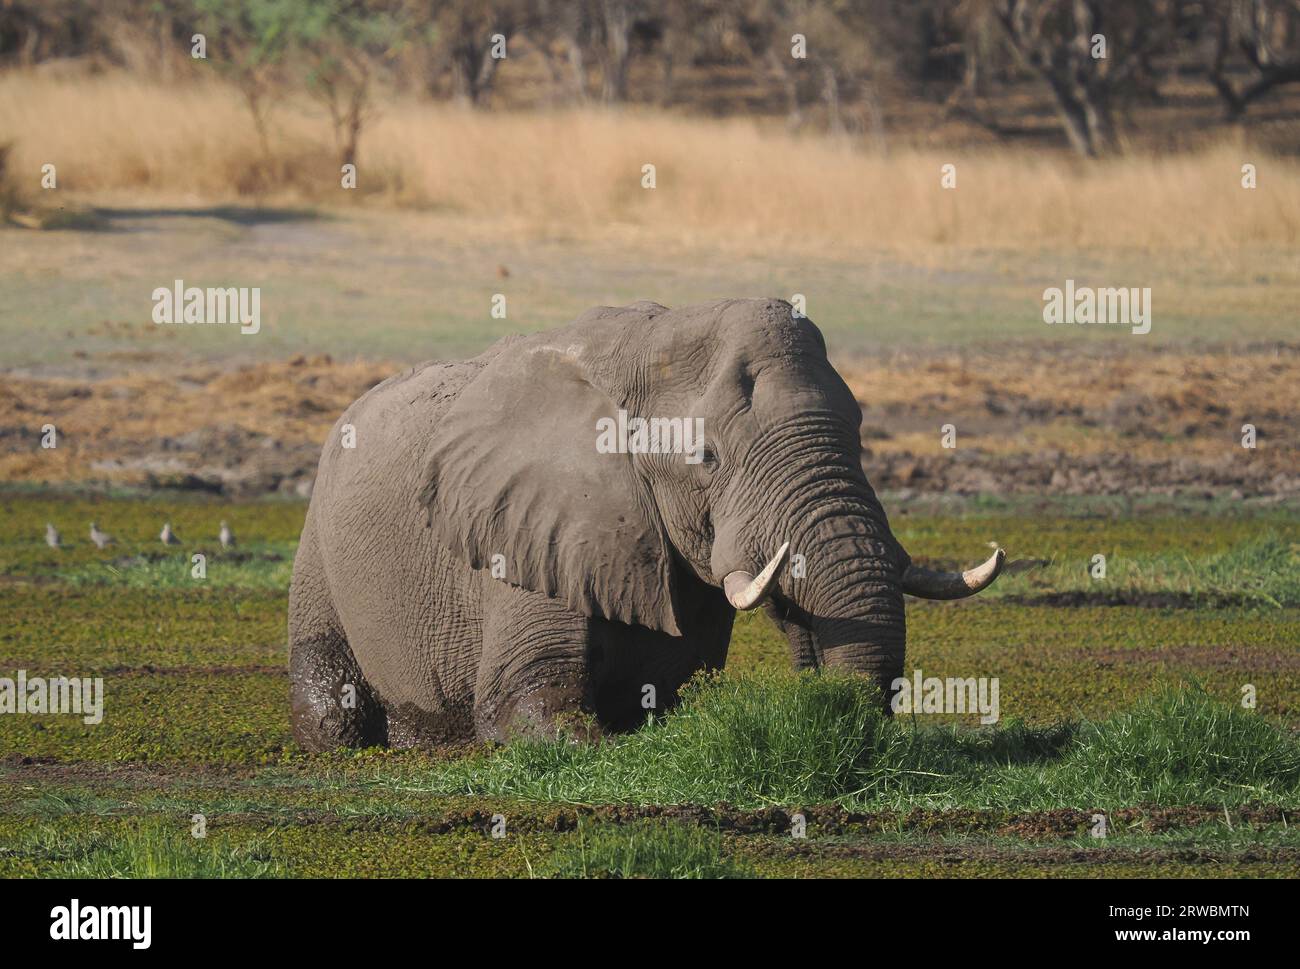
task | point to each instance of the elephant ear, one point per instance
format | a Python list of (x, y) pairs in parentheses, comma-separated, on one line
[(513, 470)]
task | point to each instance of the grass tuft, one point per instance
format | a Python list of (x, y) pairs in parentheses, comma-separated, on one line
[(818, 738), (1266, 569), (644, 849), (150, 851), (763, 738), (1181, 746)]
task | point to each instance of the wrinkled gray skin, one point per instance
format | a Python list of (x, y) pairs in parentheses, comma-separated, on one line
[(613, 563)]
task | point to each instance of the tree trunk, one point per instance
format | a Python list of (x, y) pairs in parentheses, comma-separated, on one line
[(789, 84), (618, 27), (831, 94), (577, 69), (1074, 119)]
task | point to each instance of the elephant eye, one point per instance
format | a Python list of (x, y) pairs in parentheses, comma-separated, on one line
[(709, 458)]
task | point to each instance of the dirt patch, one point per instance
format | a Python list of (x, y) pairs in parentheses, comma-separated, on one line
[(46, 771), (1091, 421), (1037, 855), (251, 430), (197, 670), (1041, 420), (822, 820)]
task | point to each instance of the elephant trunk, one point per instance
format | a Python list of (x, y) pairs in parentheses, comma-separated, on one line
[(854, 607), (846, 574), (844, 580), (808, 510)]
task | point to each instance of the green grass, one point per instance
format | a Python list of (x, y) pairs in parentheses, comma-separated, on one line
[(643, 849), (259, 847), (194, 672), (259, 566), (1198, 558), (1181, 747), (815, 738), (1067, 527), (1223, 836), (1203, 554), (106, 628), (1261, 570), (152, 850), (196, 713), (335, 840), (764, 739), (267, 532), (1057, 662), (365, 269)]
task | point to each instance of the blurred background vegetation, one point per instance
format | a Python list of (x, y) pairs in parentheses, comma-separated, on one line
[(775, 174), (1087, 122), (1005, 70)]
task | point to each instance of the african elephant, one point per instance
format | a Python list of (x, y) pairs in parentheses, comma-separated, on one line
[(473, 564)]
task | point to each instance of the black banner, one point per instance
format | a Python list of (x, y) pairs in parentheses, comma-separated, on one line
[(942, 918)]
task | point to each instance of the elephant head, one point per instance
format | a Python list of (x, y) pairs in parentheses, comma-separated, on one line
[(515, 470)]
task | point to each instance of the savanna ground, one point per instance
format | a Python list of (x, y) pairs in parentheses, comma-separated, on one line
[(1119, 696)]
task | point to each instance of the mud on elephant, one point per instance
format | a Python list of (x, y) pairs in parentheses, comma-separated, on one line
[(474, 565)]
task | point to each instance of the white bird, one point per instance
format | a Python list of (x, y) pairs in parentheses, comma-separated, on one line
[(100, 538), (226, 536), (167, 536), (52, 537)]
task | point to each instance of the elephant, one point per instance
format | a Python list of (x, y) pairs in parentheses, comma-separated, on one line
[(474, 567)]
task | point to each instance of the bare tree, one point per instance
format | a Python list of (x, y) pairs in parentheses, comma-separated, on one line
[(562, 32), (615, 47), (841, 56), (458, 40), (1267, 35), (32, 31), (1085, 50), (679, 23)]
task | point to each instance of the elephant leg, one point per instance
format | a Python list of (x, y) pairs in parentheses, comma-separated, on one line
[(331, 704), (410, 726), (533, 673), (638, 673)]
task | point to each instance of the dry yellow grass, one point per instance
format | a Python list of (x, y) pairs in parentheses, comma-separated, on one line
[(734, 183)]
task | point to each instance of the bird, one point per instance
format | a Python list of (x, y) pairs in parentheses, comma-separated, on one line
[(100, 539), (226, 536), (52, 537), (167, 536)]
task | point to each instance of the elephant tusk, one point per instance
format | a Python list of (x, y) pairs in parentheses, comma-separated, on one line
[(745, 591), (929, 584)]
